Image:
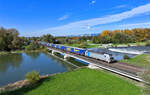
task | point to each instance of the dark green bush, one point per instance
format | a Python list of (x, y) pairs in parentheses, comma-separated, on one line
[(126, 57), (29, 47), (83, 45), (33, 76), (32, 46)]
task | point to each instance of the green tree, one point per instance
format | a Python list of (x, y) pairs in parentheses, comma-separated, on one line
[(120, 37), (48, 38), (32, 46), (9, 39), (16, 43)]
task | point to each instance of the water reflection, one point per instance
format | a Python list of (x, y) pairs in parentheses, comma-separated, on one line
[(11, 60), (68, 66), (33, 55), (13, 67)]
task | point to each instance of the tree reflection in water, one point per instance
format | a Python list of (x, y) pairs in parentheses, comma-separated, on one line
[(10, 60), (33, 55), (68, 66)]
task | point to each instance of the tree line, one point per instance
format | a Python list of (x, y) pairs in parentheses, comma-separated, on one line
[(10, 40), (107, 36), (123, 36)]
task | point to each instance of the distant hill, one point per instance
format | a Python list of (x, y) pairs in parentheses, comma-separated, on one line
[(94, 34)]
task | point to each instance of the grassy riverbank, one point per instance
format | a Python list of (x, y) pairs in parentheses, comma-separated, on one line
[(20, 51), (11, 52), (81, 82), (139, 60)]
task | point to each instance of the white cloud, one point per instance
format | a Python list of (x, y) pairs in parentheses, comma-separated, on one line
[(136, 25), (81, 26), (63, 17), (93, 2), (120, 6)]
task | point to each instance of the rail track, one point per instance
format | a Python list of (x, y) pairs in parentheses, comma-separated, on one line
[(124, 69)]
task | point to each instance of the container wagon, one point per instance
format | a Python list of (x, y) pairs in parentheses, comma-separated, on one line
[(100, 56), (79, 51)]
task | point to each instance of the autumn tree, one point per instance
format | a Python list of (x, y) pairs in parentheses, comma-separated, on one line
[(141, 34), (115, 31), (106, 33), (127, 31), (147, 34)]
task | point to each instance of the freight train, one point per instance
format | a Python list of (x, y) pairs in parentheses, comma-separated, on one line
[(100, 56)]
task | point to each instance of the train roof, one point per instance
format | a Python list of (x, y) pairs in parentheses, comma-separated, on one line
[(70, 46), (99, 52), (66, 46)]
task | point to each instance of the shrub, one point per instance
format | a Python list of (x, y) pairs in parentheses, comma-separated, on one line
[(33, 76), (126, 57), (129, 45), (32, 46), (29, 47), (148, 43), (83, 45)]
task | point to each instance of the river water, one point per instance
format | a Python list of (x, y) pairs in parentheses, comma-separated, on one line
[(13, 67)]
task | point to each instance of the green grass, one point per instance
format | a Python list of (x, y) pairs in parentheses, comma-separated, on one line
[(93, 46), (81, 82), (139, 60), (88, 46), (11, 52), (73, 45)]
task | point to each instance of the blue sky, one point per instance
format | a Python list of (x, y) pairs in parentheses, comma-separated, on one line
[(73, 17)]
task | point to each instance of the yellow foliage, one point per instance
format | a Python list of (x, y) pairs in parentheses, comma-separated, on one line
[(115, 31), (129, 32), (106, 33)]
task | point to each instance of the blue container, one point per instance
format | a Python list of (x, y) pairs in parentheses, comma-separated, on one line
[(63, 48), (72, 50), (57, 46), (48, 45), (79, 51), (53, 45)]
